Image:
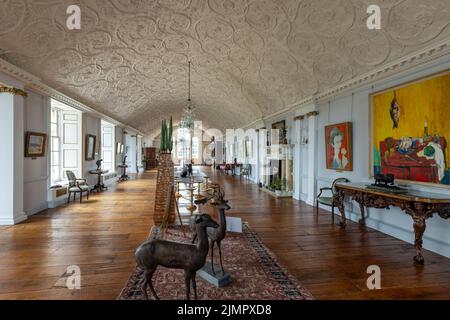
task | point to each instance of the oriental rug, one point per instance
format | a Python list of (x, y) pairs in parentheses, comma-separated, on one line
[(255, 274)]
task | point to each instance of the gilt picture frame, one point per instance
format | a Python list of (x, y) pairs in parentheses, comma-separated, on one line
[(35, 144)]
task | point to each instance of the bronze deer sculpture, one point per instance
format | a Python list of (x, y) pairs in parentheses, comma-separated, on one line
[(175, 255), (216, 235)]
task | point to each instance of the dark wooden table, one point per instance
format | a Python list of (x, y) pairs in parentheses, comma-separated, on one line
[(99, 186), (124, 175), (419, 205)]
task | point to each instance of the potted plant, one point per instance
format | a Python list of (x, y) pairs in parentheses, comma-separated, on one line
[(272, 185), (278, 191), (284, 186)]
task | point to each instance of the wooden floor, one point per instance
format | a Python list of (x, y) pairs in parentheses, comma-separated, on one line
[(100, 237)]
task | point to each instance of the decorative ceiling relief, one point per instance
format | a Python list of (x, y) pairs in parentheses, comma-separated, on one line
[(250, 58), (329, 18), (418, 21), (12, 14)]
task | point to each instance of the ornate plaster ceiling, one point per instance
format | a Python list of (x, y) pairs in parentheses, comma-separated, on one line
[(250, 58)]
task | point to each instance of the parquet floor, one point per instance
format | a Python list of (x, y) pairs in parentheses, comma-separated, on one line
[(100, 237)]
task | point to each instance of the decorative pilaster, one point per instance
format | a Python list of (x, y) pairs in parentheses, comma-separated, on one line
[(312, 156), (12, 131), (13, 91)]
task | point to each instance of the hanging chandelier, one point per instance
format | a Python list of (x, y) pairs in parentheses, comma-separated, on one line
[(188, 117)]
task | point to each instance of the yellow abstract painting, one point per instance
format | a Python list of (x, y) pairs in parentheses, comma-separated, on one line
[(411, 130)]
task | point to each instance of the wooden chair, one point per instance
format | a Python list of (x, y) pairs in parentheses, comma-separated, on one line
[(77, 186), (245, 171), (328, 201)]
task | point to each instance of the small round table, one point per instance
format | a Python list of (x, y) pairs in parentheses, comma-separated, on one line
[(99, 186)]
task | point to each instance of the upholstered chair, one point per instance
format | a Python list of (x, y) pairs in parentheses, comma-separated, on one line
[(77, 186)]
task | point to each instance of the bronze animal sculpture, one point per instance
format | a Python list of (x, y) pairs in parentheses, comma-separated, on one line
[(175, 255), (99, 163), (384, 179), (216, 235)]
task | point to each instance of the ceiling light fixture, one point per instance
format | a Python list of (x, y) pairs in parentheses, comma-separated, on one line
[(188, 118)]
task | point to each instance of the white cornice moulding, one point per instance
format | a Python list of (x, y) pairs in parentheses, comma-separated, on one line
[(35, 84), (17, 72), (425, 55)]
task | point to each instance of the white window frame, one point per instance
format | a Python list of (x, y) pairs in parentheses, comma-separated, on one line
[(108, 145), (66, 116), (195, 147), (55, 139)]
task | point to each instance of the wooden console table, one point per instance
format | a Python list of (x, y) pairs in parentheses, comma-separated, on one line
[(419, 205)]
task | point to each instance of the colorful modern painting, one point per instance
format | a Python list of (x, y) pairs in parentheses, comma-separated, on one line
[(411, 129), (338, 141)]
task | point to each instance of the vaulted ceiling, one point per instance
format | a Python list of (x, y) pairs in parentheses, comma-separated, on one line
[(250, 58)]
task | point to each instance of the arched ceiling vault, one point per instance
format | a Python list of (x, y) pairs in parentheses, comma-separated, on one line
[(250, 58)]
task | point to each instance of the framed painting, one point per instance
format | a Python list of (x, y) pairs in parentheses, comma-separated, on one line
[(410, 131), (90, 147), (281, 126), (35, 144), (338, 142)]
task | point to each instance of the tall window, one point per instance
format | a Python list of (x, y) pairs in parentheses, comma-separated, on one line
[(108, 137), (184, 145), (55, 167), (195, 148), (65, 123)]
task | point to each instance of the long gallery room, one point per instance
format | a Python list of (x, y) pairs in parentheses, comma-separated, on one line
[(238, 150)]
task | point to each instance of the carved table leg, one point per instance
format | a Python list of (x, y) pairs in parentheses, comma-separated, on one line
[(338, 200), (419, 229), (362, 221)]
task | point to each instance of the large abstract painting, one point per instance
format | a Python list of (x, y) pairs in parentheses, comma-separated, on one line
[(338, 141), (410, 131)]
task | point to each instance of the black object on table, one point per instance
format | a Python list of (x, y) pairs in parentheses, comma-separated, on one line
[(124, 175), (99, 186)]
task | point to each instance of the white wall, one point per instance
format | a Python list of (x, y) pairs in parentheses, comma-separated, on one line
[(36, 171), (91, 125), (355, 108)]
